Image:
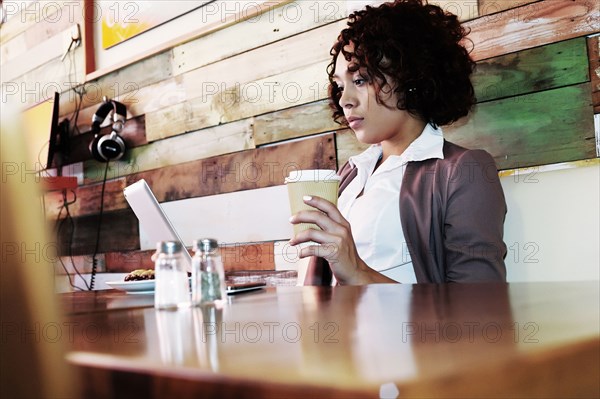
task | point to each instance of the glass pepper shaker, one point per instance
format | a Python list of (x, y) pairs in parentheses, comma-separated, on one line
[(208, 275), (172, 286)]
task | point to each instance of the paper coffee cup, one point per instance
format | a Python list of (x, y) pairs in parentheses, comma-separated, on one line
[(322, 183)]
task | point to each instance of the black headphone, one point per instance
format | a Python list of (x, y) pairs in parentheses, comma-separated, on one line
[(109, 147)]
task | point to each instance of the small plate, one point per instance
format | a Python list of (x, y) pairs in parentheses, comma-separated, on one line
[(134, 287)]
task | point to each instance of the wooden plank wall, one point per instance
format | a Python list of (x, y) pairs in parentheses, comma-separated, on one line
[(234, 110)]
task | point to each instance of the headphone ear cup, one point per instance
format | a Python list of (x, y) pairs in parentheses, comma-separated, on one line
[(107, 148), (111, 147), (94, 149)]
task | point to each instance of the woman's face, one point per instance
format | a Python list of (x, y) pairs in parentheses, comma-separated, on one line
[(372, 122)]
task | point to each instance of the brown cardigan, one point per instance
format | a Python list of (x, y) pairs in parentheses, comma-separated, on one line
[(452, 212)]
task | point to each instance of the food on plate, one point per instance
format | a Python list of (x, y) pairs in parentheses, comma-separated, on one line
[(140, 274)]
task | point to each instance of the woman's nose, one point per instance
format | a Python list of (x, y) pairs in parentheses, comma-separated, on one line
[(347, 100)]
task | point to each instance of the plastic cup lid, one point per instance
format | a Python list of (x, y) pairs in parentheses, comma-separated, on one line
[(312, 175)]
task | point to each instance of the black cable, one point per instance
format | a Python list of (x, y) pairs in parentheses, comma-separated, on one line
[(65, 205), (59, 225), (70, 241), (94, 260), (69, 218), (57, 228), (80, 91)]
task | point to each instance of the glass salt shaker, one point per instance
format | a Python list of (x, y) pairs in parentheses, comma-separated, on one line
[(172, 286), (208, 275)]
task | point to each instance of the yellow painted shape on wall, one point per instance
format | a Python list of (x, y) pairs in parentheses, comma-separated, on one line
[(116, 33), (36, 129)]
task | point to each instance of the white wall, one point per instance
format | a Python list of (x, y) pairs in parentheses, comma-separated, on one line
[(552, 228)]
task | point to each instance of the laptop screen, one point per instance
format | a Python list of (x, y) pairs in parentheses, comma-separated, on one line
[(151, 216)]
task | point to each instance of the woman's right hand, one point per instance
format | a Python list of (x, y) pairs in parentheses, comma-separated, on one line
[(336, 243)]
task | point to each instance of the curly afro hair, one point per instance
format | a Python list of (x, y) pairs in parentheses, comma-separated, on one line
[(418, 46)]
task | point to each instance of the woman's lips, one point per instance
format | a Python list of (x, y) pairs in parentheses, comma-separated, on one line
[(354, 122)]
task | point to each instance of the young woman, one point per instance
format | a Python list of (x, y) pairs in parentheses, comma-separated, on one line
[(413, 207)]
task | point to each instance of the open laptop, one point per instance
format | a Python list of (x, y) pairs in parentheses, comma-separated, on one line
[(158, 227), (151, 216)]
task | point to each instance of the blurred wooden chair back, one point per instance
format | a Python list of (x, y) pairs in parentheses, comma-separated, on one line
[(33, 336)]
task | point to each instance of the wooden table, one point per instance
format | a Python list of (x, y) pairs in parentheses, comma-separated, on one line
[(471, 340)]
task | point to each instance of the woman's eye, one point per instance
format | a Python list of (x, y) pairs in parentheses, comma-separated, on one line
[(359, 81)]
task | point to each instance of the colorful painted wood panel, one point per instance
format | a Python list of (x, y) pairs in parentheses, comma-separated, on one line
[(532, 25), (528, 71), (124, 20), (533, 129), (244, 170)]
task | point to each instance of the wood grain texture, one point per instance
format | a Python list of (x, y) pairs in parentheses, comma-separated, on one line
[(39, 84), (87, 199), (594, 57), (531, 19), (222, 19), (464, 10), (249, 256), (252, 256), (133, 134), (206, 89), (218, 140), (41, 18), (300, 121), (214, 97), (532, 25), (245, 170), (277, 24), (487, 7), (119, 232), (124, 84), (90, 197), (52, 25), (294, 122), (495, 340), (259, 31), (296, 87), (139, 100), (186, 116), (293, 53), (547, 67), (535, 129), (528, 71)]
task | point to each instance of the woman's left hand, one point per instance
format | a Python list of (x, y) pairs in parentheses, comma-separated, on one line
[(337, 245)]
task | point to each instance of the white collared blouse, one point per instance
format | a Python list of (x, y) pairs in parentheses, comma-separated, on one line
[(375, 215)]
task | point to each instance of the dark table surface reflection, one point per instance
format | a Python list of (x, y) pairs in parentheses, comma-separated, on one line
[(418, 340)]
